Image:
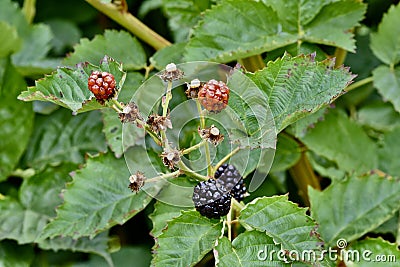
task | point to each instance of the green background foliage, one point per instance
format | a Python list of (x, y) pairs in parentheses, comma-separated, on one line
[(329, 72)]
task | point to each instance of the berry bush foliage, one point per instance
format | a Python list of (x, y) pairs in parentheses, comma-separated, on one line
[(199, 133)]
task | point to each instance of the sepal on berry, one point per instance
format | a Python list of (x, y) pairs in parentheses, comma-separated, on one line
[(211, 134)]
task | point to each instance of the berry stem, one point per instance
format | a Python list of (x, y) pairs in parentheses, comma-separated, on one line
[(117, 104), (148, 69), (192, 148), (168, 97), (236, 205), (340, 55), (229, 223), (164, 176), (206, 146), (222, 161), (186, 170), (131, 23)]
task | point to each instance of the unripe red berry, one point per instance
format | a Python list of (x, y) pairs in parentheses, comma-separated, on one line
[(102, 85), (214, 95)]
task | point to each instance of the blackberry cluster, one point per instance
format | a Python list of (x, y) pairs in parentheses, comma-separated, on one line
[(102, 85), (228, 176), (214, 96), (212, 198)]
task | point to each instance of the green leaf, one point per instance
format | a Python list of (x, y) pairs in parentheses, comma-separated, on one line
[(288, 152), (385, 42), (389, 151), (30, 59), (183, 16), (83, 213), (387, 81), (132, 82), (24, 219), (119, 45), (9, 39), (12, 14), (356, 206), (299, 86), (186, 240), (166, 55), (374, 252), (259, 27), (13, 255), (62, 137), (378, 116), (325, 167), (250, 248), (282, 220), (348, 146), (16, 119), (255, 30), (99, 245), (68, 87), (65, 33)]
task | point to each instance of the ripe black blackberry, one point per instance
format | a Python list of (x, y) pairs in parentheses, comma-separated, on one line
[(211, 199), (228, 176)]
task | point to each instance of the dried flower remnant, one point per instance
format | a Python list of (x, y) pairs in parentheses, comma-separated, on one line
[(136, 181), (130, 113), (159, 123), (211, 134), (171, 73), (170, 157)]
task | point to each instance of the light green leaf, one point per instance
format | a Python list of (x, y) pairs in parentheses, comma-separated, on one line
[(256, 29), (300, 127), (389, 152), (16, 119), (65, 33), (61, 137), (357, 206), (374, 252), (245, 251), (166, 55), (132, 82), (99, 198), (68, 87), (379, 116), (385, 42), (282, 220), (299, 86), (325, 167), (11, 13), (259, 27), (351, 154), (186, 240), (387, 81), (13, 255), (9, 39), (119, 45), (288, 152), (183, 16), (24, 219)]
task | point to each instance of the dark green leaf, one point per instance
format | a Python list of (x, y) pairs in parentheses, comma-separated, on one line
[(348, 145), (65, 33), (390, 152), (63, 137), (299, 86), (9, 39), (161, 215), (186, 240), (356, 206), (379, 116), (172, 53), (24, 219), (287, 153), (184, 15), (132, 82), (13, 255), (68, 87), (374, 252), (119, 45), (250, 249), (99, 198), (387, 81), (16, 119), (282, 220), (385, 43)]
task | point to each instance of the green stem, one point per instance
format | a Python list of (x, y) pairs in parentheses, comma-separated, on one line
[(131, 23), (252, 63), (236, 205), (192, 148), (340, 55), (186, 170), (229, 223), (117, 103), (29, 10), (148, 69), (222, 161), (164, 176), (206, 145), (168, 97), (359, 84)]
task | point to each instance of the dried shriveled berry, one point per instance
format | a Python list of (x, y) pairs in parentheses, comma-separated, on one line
[(214, 95), (102, 85)]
